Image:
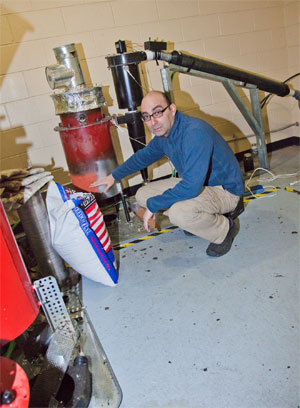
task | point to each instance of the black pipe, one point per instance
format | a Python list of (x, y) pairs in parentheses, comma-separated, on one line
[(215, 68), (126, 77), (136, 132), (123, 199), (136, 129), (127, 82), (76, 388)]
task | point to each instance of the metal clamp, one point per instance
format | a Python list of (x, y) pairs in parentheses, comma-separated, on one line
[(99, 122)]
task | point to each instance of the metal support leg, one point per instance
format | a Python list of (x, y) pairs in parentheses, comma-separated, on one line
[(253, 119), (260, 136), (167, 83), (125, 206)]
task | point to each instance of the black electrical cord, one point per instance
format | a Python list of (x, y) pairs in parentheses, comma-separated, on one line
[(265, 99)]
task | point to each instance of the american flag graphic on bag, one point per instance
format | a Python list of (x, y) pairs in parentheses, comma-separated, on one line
[(97, 223), (96, 220)]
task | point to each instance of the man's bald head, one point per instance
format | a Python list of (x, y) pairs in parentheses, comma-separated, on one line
[(157, 94), (156, 101)]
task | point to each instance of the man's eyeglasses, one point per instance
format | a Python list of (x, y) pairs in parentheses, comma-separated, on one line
[(157, 114)]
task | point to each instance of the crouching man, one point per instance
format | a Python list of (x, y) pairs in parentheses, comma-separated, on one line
[(210, 181)]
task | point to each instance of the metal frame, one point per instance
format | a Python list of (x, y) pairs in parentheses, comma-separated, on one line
[(254, 118)]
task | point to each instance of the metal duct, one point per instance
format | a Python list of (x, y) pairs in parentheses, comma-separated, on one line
[(211, 67), (34, 218)]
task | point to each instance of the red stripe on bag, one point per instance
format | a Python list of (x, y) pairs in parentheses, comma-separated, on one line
[(96, 220), (101, 234), (104, 238), (99, 231), (90, 210), (107, 243)]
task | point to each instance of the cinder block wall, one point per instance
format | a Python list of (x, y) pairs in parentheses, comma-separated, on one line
[(260, 36)]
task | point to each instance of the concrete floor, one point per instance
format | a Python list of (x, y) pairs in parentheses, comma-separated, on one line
[(183, 330)]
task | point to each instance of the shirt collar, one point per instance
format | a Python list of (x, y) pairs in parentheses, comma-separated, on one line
[(175, 124)]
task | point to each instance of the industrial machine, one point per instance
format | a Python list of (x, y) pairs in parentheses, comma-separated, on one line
[(84, 130)]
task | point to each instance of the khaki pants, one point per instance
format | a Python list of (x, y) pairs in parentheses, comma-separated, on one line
[(202, 215)]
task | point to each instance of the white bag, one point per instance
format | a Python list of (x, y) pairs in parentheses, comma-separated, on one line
[(79, 234)]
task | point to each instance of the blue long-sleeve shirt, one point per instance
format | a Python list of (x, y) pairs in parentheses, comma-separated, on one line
[(200, 156)]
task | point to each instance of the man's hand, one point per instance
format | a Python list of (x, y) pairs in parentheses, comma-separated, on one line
[(106, 180), (148, 215)]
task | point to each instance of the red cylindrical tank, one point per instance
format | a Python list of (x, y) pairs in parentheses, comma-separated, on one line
[(19, 305), (85, 136), (87, 144)]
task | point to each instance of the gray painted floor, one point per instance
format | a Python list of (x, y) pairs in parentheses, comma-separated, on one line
[(183, 330)]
